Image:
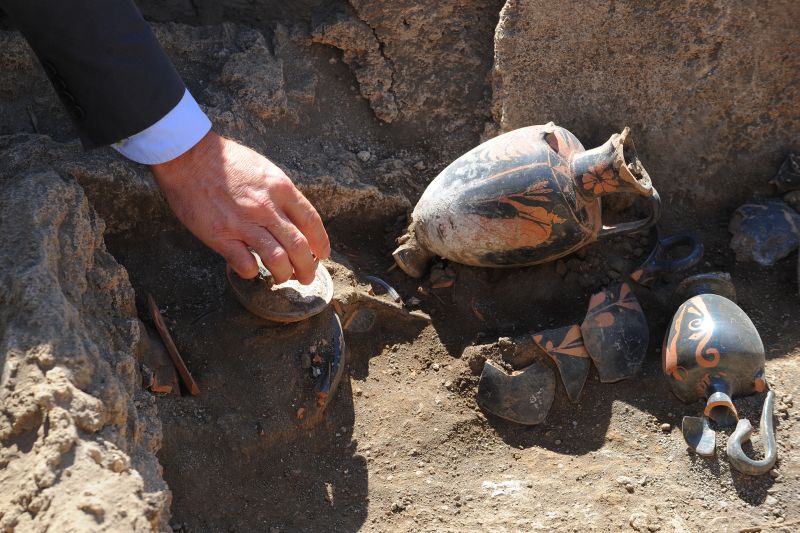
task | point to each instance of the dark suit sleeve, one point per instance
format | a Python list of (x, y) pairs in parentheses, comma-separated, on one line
[(103, 60)]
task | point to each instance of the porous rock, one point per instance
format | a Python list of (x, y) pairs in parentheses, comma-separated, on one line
[(246, 83), (78, 435), (422, 63), (712, 118)]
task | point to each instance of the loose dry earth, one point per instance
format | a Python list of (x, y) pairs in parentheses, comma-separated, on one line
[(362, 103), (405, 447)]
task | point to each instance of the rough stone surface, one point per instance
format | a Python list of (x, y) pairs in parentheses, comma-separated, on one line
[(421, 63), (710, 90), (123, 193), (255, 90), (78, 435), (363, 53)]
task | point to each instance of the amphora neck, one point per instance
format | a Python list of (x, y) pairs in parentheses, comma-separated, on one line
[(611, 168)]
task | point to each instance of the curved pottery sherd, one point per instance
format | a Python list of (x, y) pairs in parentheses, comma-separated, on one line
[(738, 459), (712, 350), (699, 436), (526, 197), (565, 347), (524, 397), (327, 367), (287, 302), (615, 333)]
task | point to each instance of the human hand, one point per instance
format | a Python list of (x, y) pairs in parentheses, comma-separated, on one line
[(233, 199)]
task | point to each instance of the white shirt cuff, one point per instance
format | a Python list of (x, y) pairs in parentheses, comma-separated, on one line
[(175, 133)]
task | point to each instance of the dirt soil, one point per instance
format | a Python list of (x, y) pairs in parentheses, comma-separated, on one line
[(356, 104), (403, 446)]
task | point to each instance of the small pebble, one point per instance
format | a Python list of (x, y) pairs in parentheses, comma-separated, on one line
[(626, 482), (364, 155), (666, 428)]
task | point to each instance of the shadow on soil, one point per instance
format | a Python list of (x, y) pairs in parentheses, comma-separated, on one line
[(238, 457)]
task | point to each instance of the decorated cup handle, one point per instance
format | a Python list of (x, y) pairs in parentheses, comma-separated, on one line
[(657, 263)]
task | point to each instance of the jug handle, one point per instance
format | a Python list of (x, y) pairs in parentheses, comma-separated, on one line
[(654, 265), (736, 456), (637, 225)]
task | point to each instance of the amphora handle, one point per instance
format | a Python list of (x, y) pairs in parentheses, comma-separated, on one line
[(613, 168), (636, 225)]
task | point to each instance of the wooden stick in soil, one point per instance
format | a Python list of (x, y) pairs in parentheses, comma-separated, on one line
[(186, 377)]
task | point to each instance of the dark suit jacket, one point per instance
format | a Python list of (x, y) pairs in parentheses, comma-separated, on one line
[(104, 62)]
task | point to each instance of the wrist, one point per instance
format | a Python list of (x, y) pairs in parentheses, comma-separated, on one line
[(186, 164)]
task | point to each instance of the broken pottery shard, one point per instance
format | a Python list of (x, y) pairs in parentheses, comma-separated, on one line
[(361, 312), (615, 333), (738, 459), (161, 327), (328, 366), (788, 176), (764, 232), (698, 435), (719, 283), (524, 397), (157, 366), (565, 347), (287, 302)]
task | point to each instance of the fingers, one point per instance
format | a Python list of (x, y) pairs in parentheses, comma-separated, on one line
[(273, 255), (240, 259), (303, 215), (295, 245)]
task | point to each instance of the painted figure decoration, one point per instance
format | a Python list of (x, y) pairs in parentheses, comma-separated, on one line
[(526, 197), (713, 351)]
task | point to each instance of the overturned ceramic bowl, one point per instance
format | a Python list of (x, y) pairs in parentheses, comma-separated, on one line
[(285, 302)]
